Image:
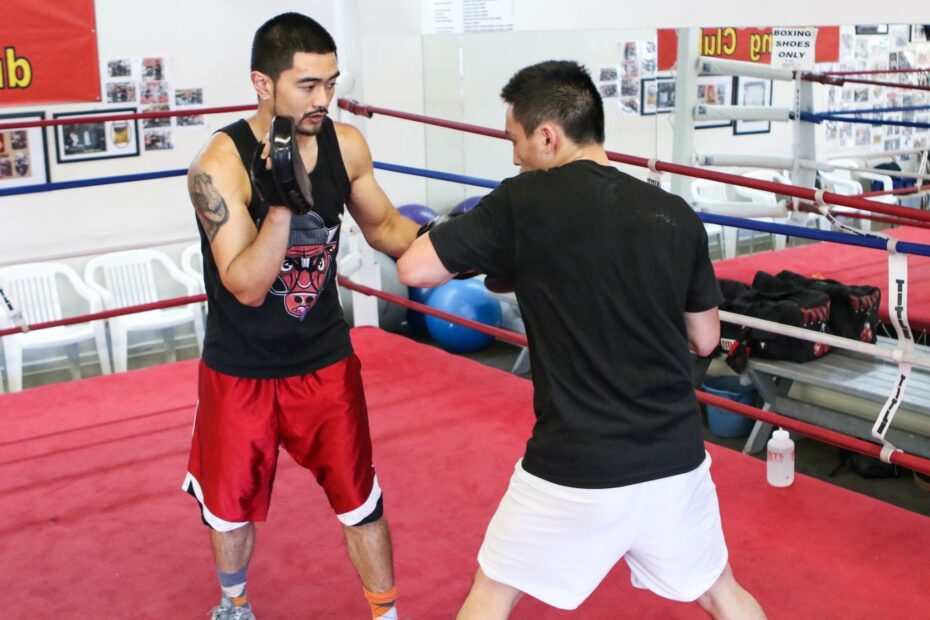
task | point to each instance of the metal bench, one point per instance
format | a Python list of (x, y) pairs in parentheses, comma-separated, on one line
[(844, 391)]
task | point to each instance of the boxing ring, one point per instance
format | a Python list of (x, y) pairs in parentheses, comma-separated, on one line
[(91, 471)]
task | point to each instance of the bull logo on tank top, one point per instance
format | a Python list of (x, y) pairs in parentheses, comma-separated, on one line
[(307, 264)]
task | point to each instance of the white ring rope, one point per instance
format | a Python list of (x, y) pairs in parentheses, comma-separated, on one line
[(890, 354), (787, 163), (706, 111), (708, 64)]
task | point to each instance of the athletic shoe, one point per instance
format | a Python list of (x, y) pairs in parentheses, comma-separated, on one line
[(227, 611)]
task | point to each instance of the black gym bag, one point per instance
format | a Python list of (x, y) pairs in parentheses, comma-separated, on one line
[(853, 308), (781, 302)]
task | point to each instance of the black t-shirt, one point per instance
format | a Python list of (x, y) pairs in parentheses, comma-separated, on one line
[(604, 267), (300, 326)]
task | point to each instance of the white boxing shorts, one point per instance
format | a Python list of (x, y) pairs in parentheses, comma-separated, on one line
[(557, 543)]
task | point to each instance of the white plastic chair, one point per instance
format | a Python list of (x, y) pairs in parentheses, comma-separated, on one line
[(713, 197), (38, 290), (192, 265), (852, 182), (761, 197), (129, 278)]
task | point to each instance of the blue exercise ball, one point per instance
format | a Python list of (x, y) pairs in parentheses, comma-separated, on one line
[(416, 321), (465, 298), (467, 205), (421, 214)]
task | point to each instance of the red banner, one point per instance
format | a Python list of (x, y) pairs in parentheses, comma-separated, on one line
[(48, 52), (747, 44)]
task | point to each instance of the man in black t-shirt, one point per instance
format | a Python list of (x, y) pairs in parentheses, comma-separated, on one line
[(278, 368), (615, 287)]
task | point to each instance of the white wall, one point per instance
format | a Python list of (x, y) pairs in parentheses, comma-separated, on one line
[(595, 14), (395, 66), (205, 44)]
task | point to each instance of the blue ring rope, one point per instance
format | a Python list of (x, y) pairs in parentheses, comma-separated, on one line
[(907, 108), (817, 118), (868, 241), (125, 178), (865, 241), (442, 176)]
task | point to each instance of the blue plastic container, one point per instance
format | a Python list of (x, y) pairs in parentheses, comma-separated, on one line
[(724, 423)]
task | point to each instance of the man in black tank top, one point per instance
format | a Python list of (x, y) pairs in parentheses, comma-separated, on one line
[(278, 366)]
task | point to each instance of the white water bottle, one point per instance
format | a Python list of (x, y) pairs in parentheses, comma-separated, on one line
[(779, 460)]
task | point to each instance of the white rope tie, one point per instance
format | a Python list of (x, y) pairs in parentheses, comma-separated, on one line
[(15, 314), (655, 176), (897, 304)]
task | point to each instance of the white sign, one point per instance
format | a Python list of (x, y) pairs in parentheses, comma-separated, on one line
[(457, 16), (442, 16), (794, 48)]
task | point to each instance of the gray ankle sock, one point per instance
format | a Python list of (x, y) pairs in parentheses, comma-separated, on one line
[(233, 585)]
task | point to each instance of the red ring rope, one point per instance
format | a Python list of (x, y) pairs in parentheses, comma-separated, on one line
[(910, 461), (811, 208), (72, 120), (819, 433), (689, 171), (502, 334), (106, 314), (913, 189), (830, 80), (815, 432), (875, 72)]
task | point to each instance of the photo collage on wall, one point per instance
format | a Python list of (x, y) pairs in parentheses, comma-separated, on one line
[(638, 61), (144, 81), (15, 158), (899, 46), (23, 151)]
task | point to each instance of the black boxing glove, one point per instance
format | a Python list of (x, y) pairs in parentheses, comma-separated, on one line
[(436, 221), (439, 221), (286, 183), (498, 284)]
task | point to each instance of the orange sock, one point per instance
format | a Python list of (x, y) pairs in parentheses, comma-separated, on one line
[(383, 604)]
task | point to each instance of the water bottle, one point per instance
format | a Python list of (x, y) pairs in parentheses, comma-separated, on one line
[(779, 461)]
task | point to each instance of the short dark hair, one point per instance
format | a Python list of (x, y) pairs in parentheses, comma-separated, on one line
[(560, 91), (279, 38)]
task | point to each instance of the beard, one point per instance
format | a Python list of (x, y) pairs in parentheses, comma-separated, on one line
[(309, 132), (313, 129)]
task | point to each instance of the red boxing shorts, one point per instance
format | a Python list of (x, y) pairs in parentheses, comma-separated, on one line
[(320, 418)]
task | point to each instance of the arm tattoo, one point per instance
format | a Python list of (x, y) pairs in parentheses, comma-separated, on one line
[(209, 204)]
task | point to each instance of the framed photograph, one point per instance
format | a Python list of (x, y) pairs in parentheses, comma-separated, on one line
[(188, 96), (607, 90), (23, 152), (665, 94), (648, 101), (752, 91), (918, 32), (872, 29), (86, 141), (714, 90)]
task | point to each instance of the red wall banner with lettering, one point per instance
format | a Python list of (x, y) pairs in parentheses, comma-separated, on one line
[(48, 52), (747, 44)]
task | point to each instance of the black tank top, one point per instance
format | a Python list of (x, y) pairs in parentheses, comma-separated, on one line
[(300, 326)]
